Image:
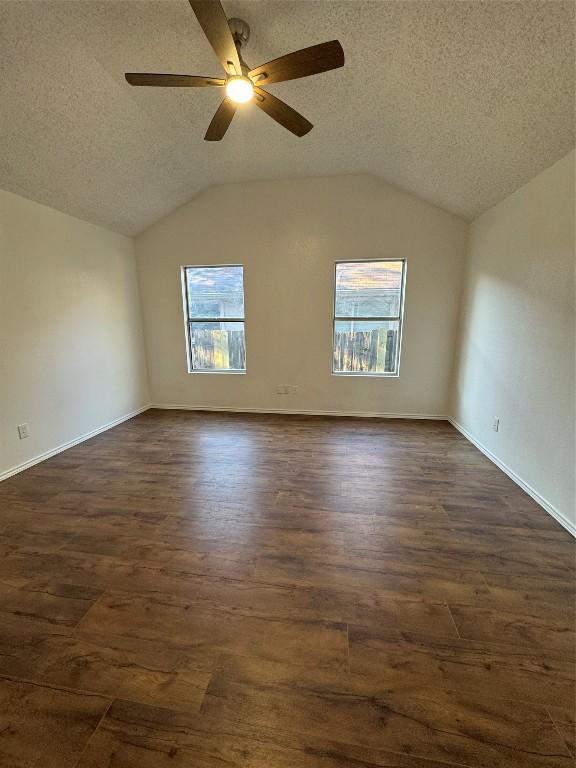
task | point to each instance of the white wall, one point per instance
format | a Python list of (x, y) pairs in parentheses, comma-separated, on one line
[(288, 234), (71, 348), (516, 347)]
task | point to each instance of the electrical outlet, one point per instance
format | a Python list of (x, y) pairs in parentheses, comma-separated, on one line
[(496, 423), (286, 389), (23, 431)]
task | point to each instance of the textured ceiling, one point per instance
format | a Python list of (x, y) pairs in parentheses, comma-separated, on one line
[(457, 102)]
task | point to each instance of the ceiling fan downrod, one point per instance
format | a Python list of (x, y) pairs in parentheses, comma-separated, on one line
[(241, 35)]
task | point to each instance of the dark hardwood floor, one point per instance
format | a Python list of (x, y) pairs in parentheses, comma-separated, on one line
[(224, 591)]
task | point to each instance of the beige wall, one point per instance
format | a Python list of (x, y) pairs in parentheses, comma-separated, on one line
[(71, 349), (516, 348), (288, 234)]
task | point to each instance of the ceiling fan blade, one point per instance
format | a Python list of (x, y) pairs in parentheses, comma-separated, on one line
[(281, 112), (221, 120), (171, 81), (212, 19), (308, 61)]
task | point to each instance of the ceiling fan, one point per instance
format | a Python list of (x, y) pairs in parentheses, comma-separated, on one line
[(242, 84)]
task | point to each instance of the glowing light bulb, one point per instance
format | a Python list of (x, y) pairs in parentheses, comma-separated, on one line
[(239, 89)]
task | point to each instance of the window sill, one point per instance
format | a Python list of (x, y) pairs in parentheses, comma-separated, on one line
[(367, 375), (220, 373)]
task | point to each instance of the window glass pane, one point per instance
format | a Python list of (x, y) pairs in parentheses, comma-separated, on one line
[(215, 292), (217, 346), (368, 289), (365, 346)]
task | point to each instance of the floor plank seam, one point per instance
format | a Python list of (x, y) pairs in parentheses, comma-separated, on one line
[(559, 731), (93, 605), (458, 635), (94, 732), (53, 686)]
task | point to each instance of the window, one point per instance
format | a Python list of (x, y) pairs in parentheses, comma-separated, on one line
[(214, 298), (368, 305)]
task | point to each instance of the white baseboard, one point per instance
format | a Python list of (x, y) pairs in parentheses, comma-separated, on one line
[(300, 412), (544, 503), (69, 444)]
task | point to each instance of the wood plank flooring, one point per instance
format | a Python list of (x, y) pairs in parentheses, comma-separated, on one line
[(207, 590)]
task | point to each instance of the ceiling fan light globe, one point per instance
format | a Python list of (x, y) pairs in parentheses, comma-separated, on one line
[(239, 89)]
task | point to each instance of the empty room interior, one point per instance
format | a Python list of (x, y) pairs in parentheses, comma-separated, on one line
[(287, 384)]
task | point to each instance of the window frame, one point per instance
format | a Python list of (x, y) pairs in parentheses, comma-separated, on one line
[(399, 319), (188, 321)]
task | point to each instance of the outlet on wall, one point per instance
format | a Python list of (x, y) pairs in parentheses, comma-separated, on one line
[(286, 389), (23, 431), (496, 423)]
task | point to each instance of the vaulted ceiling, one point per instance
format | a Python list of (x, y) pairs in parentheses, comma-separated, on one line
[(457, 102)]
